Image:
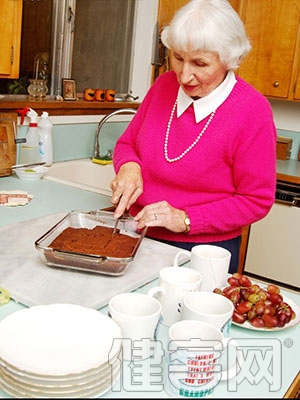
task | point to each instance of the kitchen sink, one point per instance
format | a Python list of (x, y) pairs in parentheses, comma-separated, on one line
[(83, 174)]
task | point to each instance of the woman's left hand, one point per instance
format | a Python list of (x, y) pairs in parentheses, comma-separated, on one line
[(162, 214)]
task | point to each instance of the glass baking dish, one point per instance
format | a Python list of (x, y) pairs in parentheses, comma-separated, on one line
[(88, 262)]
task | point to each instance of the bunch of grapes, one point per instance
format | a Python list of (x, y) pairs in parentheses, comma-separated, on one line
[(262, 307)]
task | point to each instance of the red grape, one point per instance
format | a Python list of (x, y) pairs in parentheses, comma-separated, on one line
[(273, 289), (244, 292), (270, 320), (218, 291), (238, 318), (257, 322), (237, 275), (270, 310), (228, 290), (233, 281), (282, 318), (260, 308), (276, 298), (254, 289), (243, 307), (245, 281)]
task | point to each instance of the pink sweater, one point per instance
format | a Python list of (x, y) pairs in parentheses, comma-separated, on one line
[(225, 182)]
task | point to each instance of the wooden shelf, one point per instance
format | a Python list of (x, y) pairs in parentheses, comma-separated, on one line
[(55, 107)]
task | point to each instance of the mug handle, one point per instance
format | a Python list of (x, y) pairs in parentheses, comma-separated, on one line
[(233, 370), (178, 255), (157, 289)]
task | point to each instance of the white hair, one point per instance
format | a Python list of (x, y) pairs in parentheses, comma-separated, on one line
[(210, 25)]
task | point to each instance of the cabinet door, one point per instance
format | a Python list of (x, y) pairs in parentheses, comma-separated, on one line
[(166, 11), (272, 27), (10, 33)]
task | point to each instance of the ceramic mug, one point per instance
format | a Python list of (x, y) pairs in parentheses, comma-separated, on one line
[(138, 316), (195, 359), (212, 262), (173, 284), (208, 307)]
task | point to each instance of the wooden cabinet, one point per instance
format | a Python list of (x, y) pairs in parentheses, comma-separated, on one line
[(10, 33), (166, 11), (273, 26), (272, 66)]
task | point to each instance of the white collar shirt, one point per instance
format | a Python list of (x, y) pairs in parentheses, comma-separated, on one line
[(206, 105)]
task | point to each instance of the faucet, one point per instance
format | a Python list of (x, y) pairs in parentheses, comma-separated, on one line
[(101, 123)]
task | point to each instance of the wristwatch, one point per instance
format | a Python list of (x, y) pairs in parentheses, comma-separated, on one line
[(187, 223)]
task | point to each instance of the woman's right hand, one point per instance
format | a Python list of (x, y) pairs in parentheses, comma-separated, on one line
[(126, 187)]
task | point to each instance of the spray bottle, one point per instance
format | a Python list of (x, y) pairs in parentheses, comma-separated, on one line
[(45, 137), (29, 151)]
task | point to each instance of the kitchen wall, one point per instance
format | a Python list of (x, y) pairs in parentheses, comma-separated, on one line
[(73, 136)]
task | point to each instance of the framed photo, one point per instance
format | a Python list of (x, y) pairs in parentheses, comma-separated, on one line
[(69, 89)]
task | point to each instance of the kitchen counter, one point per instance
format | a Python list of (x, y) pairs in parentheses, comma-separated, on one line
[(50, 197), (288, 170)]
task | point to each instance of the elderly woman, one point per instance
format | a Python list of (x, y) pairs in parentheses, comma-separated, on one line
[(198, 160)]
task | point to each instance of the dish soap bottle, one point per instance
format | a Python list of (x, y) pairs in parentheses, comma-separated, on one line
[(45, 139), (29, 151)]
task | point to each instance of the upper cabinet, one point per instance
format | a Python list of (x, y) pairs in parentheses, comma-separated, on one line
[(273, 27), (166, 11), (273, 65), (10, 33)]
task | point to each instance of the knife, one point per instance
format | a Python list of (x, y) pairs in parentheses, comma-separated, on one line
[(117, 220)]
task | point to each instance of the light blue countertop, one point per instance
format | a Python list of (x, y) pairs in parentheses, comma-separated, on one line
[(48, 198), (282, 346)]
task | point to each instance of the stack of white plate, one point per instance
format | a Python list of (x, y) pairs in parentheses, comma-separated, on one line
[(59, 350)]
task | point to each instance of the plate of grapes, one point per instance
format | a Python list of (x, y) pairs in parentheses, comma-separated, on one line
[(259, 307)]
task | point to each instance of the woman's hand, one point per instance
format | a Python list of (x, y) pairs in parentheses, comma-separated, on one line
[(126, 187), (162, 214)]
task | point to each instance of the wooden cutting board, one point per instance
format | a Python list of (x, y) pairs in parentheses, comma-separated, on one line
[(8, 129)]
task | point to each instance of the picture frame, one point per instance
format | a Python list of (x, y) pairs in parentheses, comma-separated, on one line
[(69, 89)]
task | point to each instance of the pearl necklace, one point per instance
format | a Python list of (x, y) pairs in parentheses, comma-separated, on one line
[(192, 145)]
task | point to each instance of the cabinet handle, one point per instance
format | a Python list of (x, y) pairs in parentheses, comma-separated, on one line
[(275, 84)]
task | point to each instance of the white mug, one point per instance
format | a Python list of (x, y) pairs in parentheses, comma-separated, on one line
[(208, 307), (194, 363), (138, 316), (211, 261), (174, 283)]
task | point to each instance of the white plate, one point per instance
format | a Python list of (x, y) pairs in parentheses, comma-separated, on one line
[(292, 323), (61, 384), (96, 391), (58, 339)]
